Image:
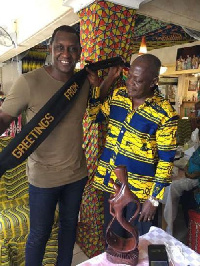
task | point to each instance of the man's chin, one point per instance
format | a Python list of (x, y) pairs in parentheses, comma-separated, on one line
[(131, 95), (67, 70)]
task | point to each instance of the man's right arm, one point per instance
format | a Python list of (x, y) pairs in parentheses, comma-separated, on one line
[(5, 121), (16, 101), (99, 102), (113, 75)]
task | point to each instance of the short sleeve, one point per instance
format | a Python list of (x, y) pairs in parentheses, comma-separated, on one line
[(17, 99)]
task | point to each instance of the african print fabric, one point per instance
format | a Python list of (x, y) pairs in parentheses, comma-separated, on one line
[(158, 34), (106, 31), (14, 128), (14, 217)]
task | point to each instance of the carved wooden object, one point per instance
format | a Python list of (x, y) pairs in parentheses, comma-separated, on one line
[(122, 250)]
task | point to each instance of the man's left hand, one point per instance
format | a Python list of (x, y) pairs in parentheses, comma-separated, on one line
[(148, 212)]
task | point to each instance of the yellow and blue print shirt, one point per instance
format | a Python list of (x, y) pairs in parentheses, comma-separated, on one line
[(144, 140)]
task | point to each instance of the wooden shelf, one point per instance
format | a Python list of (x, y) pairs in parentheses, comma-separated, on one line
[(172, 72), (187, 71), (186, 107), (189, 101)]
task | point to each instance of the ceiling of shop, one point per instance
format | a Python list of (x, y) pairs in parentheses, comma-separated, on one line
[(30, 22), (33, 21)]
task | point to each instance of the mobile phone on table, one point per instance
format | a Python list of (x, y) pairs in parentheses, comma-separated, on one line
[(157, 255)]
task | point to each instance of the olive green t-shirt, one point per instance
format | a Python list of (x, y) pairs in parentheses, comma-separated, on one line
[(59, 159)]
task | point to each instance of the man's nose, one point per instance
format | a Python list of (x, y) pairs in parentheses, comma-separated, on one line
[(66, 52), (131, 82)]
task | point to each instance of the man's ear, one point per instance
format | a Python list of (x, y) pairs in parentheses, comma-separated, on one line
[(154, 81), (50, 48)]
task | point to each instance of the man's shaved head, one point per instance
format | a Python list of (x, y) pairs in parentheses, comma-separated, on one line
[(150, 62)]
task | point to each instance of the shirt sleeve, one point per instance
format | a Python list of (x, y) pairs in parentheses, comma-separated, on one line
[(166, 143), (17, 99), (97, 110)]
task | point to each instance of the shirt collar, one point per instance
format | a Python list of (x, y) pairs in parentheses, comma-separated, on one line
[(156, 95)]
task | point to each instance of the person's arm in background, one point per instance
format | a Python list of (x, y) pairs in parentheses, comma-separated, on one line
[(5, 121), (98, 107), (15, 102), (166, 143)]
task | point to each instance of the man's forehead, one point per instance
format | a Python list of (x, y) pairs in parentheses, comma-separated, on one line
[(69, 36), (140, 61), (135, 66)]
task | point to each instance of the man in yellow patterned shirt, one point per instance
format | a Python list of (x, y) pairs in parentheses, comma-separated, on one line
[(141, 135)]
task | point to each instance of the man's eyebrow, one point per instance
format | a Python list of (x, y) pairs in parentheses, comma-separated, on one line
[(60, 43)]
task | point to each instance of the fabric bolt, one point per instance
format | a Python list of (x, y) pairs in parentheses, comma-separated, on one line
[(90, 227), (14, 128), (14, 217), (106, 31), (143, 140), (184, 131), (158, 34), (194, 230)]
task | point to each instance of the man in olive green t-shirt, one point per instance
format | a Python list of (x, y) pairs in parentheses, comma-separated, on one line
[(56, 170)]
